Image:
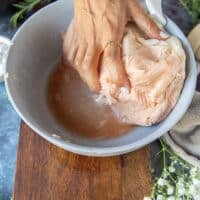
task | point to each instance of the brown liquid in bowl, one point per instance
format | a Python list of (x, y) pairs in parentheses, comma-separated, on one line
[(74, 107)]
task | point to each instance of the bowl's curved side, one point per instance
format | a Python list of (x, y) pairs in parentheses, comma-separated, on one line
[(132, 141)]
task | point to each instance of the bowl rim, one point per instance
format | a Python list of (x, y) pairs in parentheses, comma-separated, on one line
[(105, 151)]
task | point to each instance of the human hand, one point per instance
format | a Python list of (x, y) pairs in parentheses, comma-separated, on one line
[(96, 31)]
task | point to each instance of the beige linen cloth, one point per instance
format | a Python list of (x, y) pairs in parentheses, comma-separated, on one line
[(187, 131)]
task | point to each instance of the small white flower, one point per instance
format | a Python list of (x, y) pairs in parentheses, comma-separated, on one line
[(171, 169), (174, 162), (162, 182), (192, 189), (171, 198), (196, 195), (196, 182), (193, 171), (181, 191), (181, 183), (195, 191), (159, 197), (170, 190)]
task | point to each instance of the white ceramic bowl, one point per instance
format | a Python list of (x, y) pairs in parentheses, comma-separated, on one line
[(36, 48)]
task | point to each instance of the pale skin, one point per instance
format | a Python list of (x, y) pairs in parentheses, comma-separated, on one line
[(97, 30)]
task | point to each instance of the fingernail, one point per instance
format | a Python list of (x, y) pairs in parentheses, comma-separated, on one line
[(164, 35)]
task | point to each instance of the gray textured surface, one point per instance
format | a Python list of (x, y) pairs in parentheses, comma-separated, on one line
[(8, 119), (9, 128), (175, 11)]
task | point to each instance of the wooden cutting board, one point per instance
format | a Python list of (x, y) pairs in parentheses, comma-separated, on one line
[(46, 172)]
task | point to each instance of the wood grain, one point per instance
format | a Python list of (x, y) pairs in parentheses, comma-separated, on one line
[(46, 172)]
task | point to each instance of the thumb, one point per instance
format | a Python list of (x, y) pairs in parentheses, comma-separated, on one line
[(144, 22)]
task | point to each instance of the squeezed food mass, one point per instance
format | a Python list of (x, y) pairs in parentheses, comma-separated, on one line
[(74, 107), (156, 71)]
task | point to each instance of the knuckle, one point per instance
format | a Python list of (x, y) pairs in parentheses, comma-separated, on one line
[(85, 67), (87, 64), (78, 60)]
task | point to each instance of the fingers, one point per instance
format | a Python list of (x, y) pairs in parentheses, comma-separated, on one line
[(83, 57), (69, 44), (144, 22), (88, 61), (81, 54), (113, 74)]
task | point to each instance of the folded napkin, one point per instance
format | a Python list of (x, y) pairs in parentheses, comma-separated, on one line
[(187, 131)]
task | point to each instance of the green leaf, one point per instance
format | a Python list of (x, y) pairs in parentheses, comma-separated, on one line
[(14, 19), (193, 9), (20, 6), (24, 7)]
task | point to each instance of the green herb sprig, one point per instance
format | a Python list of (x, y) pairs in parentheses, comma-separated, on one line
[(179, 180), (193, 8), (23, 8)]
